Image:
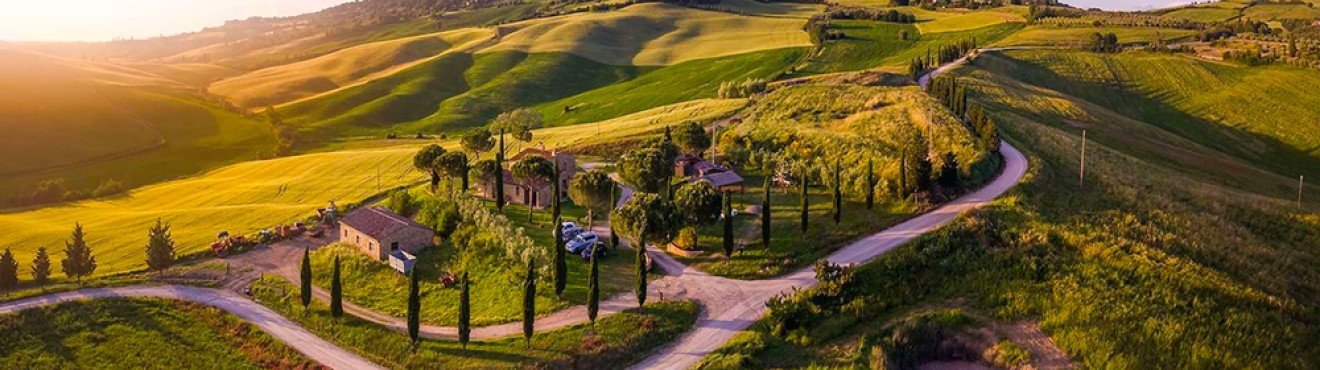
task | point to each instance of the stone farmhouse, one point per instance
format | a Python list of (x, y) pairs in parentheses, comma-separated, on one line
[(516, 192), (379, 233), (699, 169)]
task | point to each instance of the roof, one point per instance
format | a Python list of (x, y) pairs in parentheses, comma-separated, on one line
[(378, 222), (721, 179)]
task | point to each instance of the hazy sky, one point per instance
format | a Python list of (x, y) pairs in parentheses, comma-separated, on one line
[(1125, 4), (100, 20)]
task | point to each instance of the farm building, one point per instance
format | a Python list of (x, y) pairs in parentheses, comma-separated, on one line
[(700, 169), (378, 232), (516, 192)]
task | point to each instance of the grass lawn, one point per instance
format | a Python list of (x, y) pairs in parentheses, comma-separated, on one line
[(121, 333), (790, 249), (374, 285), (618, 340)]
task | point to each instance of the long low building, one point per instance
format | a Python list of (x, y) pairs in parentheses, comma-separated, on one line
[(378, 232)]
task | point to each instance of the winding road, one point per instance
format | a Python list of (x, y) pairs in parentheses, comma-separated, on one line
[(729, 305)]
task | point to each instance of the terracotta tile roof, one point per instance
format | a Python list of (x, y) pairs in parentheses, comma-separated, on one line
[(378, 222)]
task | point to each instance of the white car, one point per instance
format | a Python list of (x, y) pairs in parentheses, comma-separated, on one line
[(582, 241), (569, 230)]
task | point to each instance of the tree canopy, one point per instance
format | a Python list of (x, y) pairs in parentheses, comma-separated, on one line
[(646, 170), (647, 215), (478, 141), (691, 138)]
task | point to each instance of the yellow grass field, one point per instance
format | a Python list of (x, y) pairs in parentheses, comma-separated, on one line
[(1059, 36), (968, 21), (653, 34), (284, 83), (255, 195)]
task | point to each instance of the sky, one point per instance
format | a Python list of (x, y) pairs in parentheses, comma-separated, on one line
[(1125, 4), (103, 20)]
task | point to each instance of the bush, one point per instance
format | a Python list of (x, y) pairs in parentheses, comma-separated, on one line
[(1007, 354)]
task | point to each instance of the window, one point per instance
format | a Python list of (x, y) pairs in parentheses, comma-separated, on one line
[(345, 233), (358, 240), (394, 246)]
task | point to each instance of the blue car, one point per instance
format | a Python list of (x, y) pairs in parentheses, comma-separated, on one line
[(582, 242), (601, 252)]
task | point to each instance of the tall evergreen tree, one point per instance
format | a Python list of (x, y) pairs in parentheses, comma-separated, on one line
[(414, 308), (805, 207), (41, 267), (561, 263), (8, 271), (465, 312), (765, 215), (870, 183), (78, 260), (903, 175), (593, 289), (555, 198), (336, 294), (614, 202), (728, 226), (305, 278), (529, 304), (499, 174), (641, 270), (160, 247), (838, 193)]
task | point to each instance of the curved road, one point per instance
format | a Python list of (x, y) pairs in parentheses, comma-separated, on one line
[(269, 321), (729, 306)]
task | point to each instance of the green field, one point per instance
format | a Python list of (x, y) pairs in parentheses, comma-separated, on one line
[(1068, 36), (1204, 14), (616, 340), (1274, 12), (876, 45), (137, 333)]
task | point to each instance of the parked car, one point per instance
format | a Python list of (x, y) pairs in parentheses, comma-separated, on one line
[(582, 241), (601, 252), (570, 230)]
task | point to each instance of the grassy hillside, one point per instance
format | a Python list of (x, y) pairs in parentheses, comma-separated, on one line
[(653, 34), (1061, 36), (137, 333), (288, 82), (88, 122), (256, 195), (1274, 12), (1261, 115), (872, 44), (969, 21)]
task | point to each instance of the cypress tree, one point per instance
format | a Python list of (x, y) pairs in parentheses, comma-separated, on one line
[(160, 247), (728, 226), (414, 308), (902, 175), (465, 313), (8, 271), (555, 198), (870, 183), (41, 267), (561, 265), (641, 271), (593, 292), (614, 202), (78, 260), (305, 276), (765, 215), (805, 206), (529, 304), (336, 294), (499, 174), (838, 193)]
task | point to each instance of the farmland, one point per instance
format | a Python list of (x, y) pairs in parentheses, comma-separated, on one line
[(877, 45)]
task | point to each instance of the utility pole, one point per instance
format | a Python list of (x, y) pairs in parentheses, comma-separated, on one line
[(1083, 174)]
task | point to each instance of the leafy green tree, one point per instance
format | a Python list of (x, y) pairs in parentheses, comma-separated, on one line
[(484, 172), (336, 294), (499, 174), (593, 190), (8, 271), (561, 263), (691, 138), (838, 193), (641, 271), (647, 170), (870, 184), (160, 247), (529, 304), (41, 267), (728, 226), (533, 171), (765, 215), (453, 166), (305, 278), (78, 260), (593, 290), (805, 206), (424, 160), (478, 141), (465, 312), (414, 308), (647, 216), (519, 122), (699, 203)]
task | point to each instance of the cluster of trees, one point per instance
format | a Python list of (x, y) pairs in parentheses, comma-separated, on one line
[(1251, 57), (954, 96), (819, 31), (286, 135), (946, 54), (78, 260), (1104, 43), (871, 14), (744, 89), (58, 190)]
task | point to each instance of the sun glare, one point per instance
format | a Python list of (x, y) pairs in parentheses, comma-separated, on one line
[(102, 20)]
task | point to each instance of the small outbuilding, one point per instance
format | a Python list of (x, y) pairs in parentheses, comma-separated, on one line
[(378, 232)]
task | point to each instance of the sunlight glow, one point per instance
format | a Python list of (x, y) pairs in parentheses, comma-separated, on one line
[(103, 20)]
